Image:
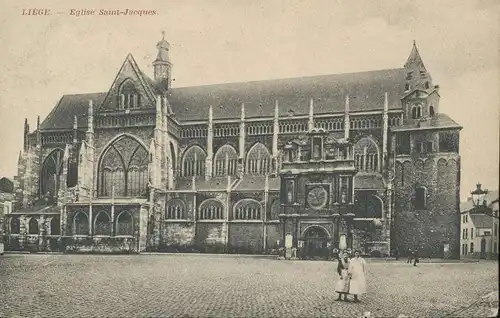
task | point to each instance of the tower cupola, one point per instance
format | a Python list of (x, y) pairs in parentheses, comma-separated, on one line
[(162, 65)]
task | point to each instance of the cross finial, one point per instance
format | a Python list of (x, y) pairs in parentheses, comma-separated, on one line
[(163, 35)]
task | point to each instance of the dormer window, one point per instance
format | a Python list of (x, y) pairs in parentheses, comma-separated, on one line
[(407, 87), (129, 97), (416, 112)]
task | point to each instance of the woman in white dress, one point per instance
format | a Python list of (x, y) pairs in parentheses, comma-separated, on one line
[(357, 273), (342, 284)]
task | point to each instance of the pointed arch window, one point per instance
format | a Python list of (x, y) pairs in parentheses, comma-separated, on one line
[(51, 173), (124, 224), (193, 162), (431, 111), (366, 155), (420, 198), (226, 161), (258, 160), (80, 223), (211, 209), (33, 227), (175, 210), (129, 96), (124, 166), (102, 224), (15, 225), (55, 226), (247, 209)]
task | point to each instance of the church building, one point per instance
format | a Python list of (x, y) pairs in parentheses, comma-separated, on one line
[(361, 160)]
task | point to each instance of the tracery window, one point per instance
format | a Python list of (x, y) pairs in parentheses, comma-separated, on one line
[(124, 224), (80, 224), (211, 209), (102, 224), (431, 111), (129, 96), (367, 205), (366, 155), (15, 225), (226, 160), (55, 225), (247, 209), (193, 162), (258, 160), (175, 210), (124, 166), (33, 227), (51, 172)]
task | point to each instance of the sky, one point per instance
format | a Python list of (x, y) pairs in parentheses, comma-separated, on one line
[(216, 41)]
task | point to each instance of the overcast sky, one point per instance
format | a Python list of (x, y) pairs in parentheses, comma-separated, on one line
[(44, 57)]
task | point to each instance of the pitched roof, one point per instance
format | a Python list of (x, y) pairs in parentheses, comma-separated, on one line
[(436, 122), (366, 91), (482, 221), (490, 197), (414, 57), (61, 116), (253, 183)]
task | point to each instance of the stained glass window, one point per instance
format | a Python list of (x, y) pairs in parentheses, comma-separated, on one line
[(193, 162), (175, 210), (124, 224), (211, 210), (366, 155), (124, 166), (80, 224), (15, 225), (102, 224), (51, 172), (258, 160), (247, 209), (33, 226), (226, 160)]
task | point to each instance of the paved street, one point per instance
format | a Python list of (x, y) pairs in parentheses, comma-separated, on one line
[(221, 286)]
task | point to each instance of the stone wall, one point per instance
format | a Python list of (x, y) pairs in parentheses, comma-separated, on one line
[(247, 236)]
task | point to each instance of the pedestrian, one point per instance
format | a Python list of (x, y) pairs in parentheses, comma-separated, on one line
[(357, 273), (396, 253), (342, 285), (415, 257), (410, 256)]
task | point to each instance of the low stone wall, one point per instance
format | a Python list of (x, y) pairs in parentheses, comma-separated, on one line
[(31, 243), (98, 244)]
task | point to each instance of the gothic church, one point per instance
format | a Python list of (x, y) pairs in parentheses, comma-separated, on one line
[(361, 160)]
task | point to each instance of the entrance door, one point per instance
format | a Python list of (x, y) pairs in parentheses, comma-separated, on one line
[(483, 248), (316, 243)]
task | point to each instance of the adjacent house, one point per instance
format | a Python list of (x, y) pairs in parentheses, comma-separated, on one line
[(479, 231)]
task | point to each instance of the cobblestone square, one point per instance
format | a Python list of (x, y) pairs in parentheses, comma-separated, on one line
[(229, 286)]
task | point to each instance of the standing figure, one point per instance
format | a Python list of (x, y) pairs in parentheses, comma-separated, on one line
[(396, 254), (415, 257), (342, 285), (410, 256), (357, 272)]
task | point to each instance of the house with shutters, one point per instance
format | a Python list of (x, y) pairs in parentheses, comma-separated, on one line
[(362, 160)]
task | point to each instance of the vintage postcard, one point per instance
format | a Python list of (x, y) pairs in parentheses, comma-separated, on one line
[(237, 158)]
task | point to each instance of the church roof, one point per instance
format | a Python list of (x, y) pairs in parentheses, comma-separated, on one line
[(61, 116), (365, 89)]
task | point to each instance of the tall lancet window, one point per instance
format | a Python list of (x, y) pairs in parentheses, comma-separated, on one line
[(124, 167), (226, 160), (366, 155), (51, 173), (129, 96), (193, 162), (258, 160)]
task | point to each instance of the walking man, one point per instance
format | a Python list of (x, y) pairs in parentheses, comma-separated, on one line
[(357, 273), (410, 256), (342, 285), (415, 257)]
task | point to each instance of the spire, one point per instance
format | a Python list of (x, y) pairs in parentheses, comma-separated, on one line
[(38, 122), (20, 156), (162, 65), (242, 111), (414, 58), (311, 114)]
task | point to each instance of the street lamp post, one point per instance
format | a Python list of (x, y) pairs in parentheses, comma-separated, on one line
[(479, 202)]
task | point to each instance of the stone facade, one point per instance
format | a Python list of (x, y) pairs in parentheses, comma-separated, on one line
[(362, 160)]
